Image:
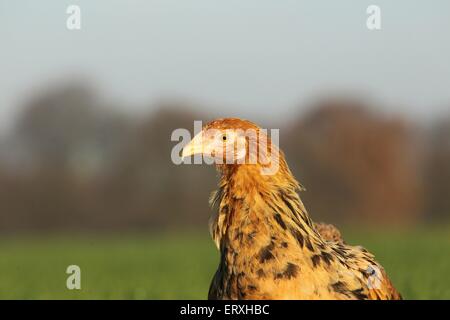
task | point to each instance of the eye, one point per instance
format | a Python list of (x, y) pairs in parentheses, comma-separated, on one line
[(224, 137)]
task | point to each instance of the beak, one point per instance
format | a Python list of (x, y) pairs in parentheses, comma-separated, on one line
[(195, 146)]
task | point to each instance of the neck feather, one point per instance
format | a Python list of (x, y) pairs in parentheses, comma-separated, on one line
[(270, 204)]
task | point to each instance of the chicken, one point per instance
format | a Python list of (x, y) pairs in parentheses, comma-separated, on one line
[(269, 247)]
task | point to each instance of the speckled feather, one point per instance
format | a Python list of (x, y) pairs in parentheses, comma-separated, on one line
[(270, 248)]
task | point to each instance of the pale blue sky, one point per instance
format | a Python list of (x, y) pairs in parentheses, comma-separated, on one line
[(255, 59)]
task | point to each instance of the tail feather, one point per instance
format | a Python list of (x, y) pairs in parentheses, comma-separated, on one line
[(329, 232)]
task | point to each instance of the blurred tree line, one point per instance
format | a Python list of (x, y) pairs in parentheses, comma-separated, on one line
[(73, 163)]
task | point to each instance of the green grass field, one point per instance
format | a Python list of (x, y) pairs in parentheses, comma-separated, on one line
[(181, 265)]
